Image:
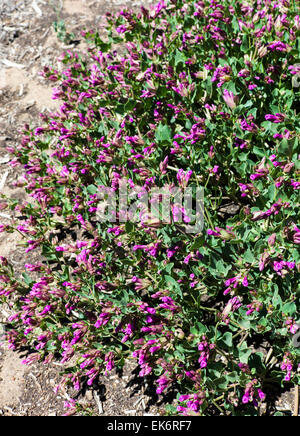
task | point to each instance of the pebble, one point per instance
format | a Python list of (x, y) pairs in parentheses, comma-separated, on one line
[(89, 395)]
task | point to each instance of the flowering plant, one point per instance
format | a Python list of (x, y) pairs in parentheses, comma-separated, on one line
[(183, 94)]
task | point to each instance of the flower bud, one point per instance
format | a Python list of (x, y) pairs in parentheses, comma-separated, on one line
[(272, 239)]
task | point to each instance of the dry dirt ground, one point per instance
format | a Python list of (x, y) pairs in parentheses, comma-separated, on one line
[(27, 43)]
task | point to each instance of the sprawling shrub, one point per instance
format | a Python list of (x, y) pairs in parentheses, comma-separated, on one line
[(186, 94)]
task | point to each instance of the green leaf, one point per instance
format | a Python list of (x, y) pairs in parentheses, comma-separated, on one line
[(27, 279), (220, 383), (244, 353), (169, 267), (259, 151), (245, 323), (197, 243), (103, 46), (129, 227), (249, 257), (179, 58), (163, 133), (171, 281), (245, 44), (276, 300), (92, 189), (198, 329), (272, 193), (226, 339), (230, 86), (289, 308)]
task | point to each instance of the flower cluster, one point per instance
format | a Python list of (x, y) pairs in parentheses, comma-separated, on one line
[(253, 394), (182, 95)]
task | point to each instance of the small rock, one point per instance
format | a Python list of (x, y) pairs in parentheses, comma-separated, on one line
[(89, 396)]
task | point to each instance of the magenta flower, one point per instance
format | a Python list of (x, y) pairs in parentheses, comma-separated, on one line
[(245, 281), (245, 399), (296, 235), (279, 46), (277, 118), (103, 319), (183, 178)]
